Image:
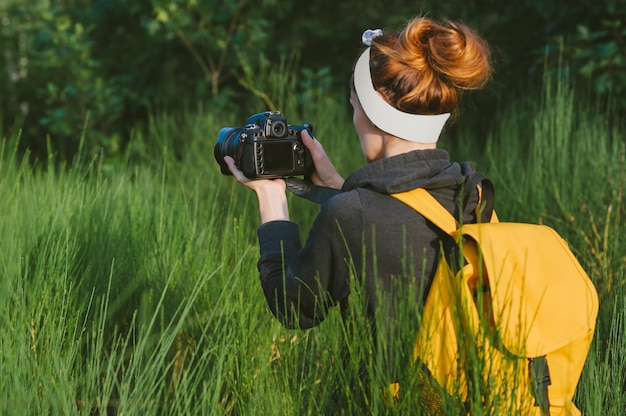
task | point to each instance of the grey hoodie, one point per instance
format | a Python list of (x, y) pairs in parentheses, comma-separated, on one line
[(362, 232)]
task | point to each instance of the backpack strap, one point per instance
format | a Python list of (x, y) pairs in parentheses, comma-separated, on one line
[(539, 382), (486, 196), (423, 202)]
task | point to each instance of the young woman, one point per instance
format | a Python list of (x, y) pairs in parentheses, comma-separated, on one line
[(404, 88)]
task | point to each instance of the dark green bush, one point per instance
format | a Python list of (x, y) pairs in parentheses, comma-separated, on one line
[(78, 72), (588, 38)]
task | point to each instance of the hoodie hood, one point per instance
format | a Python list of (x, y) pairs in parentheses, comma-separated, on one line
[(429, 169)]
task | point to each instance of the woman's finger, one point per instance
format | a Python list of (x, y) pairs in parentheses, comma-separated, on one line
[(325, 173), (314, 146), (238, 174)]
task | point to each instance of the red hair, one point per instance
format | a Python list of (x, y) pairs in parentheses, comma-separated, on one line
[(425, 68)]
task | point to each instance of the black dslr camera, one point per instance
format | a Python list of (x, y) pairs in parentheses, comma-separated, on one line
[(267, 147)]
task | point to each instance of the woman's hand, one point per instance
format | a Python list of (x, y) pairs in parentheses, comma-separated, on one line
[(325, 173), (270, 193)]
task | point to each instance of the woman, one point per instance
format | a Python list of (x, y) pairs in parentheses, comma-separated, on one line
[(404, 88)]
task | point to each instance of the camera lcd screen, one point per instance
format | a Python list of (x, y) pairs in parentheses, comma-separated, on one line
[(278, 156)]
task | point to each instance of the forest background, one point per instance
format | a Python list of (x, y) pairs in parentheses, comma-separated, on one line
[(104, 67), (128, 280)]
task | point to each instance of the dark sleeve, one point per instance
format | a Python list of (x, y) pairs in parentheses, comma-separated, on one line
[(302, 282)]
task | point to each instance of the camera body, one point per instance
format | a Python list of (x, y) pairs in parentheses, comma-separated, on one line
[(267, 147)]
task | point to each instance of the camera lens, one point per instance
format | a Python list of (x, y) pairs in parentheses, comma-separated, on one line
[(279, 128), (227, 145)]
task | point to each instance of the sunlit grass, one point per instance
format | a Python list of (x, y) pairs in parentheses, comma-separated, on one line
[(134, 290)]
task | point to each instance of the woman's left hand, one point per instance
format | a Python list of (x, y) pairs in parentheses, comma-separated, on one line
[(325, 173)]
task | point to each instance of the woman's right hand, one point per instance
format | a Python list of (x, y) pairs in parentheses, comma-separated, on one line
[(325, 173), (270, 193)]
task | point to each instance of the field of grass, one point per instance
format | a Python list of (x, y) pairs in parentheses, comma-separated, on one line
[(134, 290)]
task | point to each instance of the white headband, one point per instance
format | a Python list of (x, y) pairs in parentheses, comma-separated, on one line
[(413, 127)]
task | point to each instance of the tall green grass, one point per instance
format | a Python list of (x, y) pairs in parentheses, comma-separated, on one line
[(134, 290)]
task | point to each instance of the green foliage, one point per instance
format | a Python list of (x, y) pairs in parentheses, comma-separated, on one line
[(213, 32), (56, 79), (588, 39), (104, 67), (128, 277), (134, 290)]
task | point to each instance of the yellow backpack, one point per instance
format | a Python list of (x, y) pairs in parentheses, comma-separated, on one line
[(520, 303)]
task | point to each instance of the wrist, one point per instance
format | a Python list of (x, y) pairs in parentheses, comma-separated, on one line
[(338, 182), (334, 181), (272, 204)]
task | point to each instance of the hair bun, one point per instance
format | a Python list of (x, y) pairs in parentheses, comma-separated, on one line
[(452, 50), (425, 67)]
